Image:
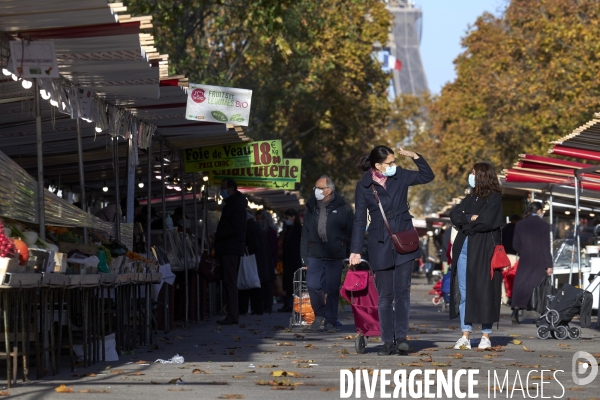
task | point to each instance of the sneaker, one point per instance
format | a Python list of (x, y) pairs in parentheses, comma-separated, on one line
[(316, 324), (462, 343), (402, 346), (484, 343), (329, 328)]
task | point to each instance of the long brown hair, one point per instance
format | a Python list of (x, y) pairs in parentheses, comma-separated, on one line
[(486, 180)]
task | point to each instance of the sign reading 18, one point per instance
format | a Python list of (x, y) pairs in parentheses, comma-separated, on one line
[(262, 153)]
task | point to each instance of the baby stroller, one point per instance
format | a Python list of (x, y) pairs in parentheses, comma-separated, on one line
[(567, 303), (441, 290), (360, 291), (436, 291)]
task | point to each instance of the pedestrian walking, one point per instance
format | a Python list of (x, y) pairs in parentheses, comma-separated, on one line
[(393, 271), (532, 241), (508, 233), (325, 243), (292, 260), (270, 229), (474, 296), (230, 243), (256, 243)]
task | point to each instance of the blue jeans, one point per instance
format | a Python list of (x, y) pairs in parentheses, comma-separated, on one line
[(393, 288), (462, 287), (324, 276)]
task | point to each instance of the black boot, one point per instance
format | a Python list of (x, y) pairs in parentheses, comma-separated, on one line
[(387, 349), (515, 317), (402, 346)]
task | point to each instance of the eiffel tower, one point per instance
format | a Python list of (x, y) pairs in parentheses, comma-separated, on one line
[(404, 45)]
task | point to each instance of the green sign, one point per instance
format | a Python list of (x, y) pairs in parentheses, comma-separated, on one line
[(283, 176), (235, 155)]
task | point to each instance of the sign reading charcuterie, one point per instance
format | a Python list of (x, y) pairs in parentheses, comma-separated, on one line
[(233, 155), (218, 104), (282, 176)]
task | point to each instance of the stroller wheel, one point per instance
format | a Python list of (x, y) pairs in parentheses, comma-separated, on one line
[(574, 332), (561, 332), (543, 332), (360, 343), (552, 317), (437, 300)]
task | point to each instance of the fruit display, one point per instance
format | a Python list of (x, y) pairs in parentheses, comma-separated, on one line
[(7, 247), (23, 251), (135, 256)]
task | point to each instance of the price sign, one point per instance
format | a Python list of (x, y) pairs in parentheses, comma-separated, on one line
[(237, 155)]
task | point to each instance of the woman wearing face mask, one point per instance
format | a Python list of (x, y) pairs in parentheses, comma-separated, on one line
[(532, 241), (393, 271), (475, 295)]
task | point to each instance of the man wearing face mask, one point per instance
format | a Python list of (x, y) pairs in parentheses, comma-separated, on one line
[(325, 243), (230, 243)]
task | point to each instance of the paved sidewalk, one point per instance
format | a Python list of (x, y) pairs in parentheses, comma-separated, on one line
[(238, 361)]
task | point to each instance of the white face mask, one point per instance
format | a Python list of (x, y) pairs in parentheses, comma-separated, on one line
[(472, 180), (319, 194), (390, 171)]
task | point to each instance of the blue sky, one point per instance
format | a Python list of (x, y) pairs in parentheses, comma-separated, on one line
[(445, 22)]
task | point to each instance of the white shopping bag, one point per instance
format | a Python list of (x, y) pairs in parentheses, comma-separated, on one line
[(248, 273)]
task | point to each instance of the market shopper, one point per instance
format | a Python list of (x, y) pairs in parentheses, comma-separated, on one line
[(256, 243), (532, 241), (393, 271), (475, 296), (230, 242), (270, 229), (292, 260), (325, 238)]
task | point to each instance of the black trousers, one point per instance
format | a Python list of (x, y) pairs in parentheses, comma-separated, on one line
[(260, 299), (230, 266)]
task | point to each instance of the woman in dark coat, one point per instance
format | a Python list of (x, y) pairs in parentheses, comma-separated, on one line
[(292, 261), (532, 240), (393, 271), (474, 294)]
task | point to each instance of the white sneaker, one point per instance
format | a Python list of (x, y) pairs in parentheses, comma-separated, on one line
[(484, 343), (463, 343)]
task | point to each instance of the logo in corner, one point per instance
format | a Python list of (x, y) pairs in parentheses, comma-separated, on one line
[(578, 368), (198, 95)]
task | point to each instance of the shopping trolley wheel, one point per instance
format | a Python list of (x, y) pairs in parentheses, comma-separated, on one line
[(574, 332), (561, 332), (552, 317), (543, 332), (360, 342), (437, 300)]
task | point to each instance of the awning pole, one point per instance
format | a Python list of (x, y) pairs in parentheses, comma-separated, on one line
[(578, 243), (552, 232), (129, 213), (184, 240), (196, 250), (40, 161), (119, 213), (148, 321), (164, 224), (81, 177)]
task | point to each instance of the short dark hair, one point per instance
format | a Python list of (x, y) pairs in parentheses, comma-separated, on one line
[(377, 156), (292, 212), (230, 182)]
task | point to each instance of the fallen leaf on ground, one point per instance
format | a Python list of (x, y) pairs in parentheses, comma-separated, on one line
[(63, 389), (440, 364), (199, 371), (178, 390), (283, 388), (231, 396), (490, 356), (517, 342), (328, 389), (528, 350), (236, 338), (137, 374), (94, 391), (304, 365), (349, 337), (142, 362), (5, 393), (268, 366), (117, 371), (514, 335), (456, 355), (285, 373), (174, 381), (426, 358), (576, 389), (238, 377), (285, 344), (415, 365), (310, 346), (547, 355), (498, 348), (430, 349), (537, 377), (298, 336)]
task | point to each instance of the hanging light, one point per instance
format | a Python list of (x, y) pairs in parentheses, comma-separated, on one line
[(45, 95), (205, 178), (178, 188), (98, 129), (158, 177), (140, 183), (105, 188), (26, 84), (14, 77), (189, 187), (567, 212), (64, 106), (54, 103), (86, 119), (6, 72), (592, 215)]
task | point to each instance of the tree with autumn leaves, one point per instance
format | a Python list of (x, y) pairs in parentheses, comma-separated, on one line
[(525, 77)]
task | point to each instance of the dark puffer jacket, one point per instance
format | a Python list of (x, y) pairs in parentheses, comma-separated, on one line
[(339, 231), (230, 237)]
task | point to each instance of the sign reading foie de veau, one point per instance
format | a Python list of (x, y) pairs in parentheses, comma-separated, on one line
[(218, 104), (234, 155)]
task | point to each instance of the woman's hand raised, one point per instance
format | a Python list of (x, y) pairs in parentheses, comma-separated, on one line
[(407, 153)]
